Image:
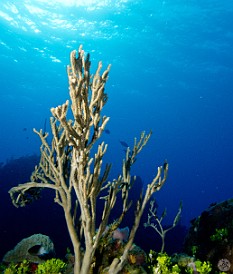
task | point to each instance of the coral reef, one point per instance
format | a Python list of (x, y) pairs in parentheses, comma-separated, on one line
[(75, 173), (211, 236), (31, 249)]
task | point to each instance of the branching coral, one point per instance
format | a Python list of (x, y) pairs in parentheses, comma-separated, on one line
[(154, 221), (78, 179)]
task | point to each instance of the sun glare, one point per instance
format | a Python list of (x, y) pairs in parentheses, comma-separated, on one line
[(80, 3)]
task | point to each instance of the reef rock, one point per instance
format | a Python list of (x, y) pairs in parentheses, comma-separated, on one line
[(35, 249), (211, 236)]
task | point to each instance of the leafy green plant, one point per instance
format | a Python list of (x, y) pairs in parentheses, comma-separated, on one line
[(219, 235), (164, 265), (194, 250), (203, 267), (175, 269), (161, 263), (21, 268), (11, 269), (164, 262), (52, 266), (24, 267)]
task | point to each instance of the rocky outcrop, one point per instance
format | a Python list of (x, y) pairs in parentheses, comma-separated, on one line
[(35, 249), (211, 236)]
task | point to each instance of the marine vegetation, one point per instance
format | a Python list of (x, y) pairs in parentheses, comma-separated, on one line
[(210, 237), (21, 268), (220, 235), (69, 166), (52, 266), (162, 263)]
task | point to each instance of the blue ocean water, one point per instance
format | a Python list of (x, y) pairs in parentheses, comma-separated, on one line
[(172, 73)]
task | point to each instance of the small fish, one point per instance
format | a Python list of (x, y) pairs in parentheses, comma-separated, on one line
[(124, 144), (107, 131)]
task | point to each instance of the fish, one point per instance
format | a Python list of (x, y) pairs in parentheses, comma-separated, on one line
[(124, 144), (107, 131)]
